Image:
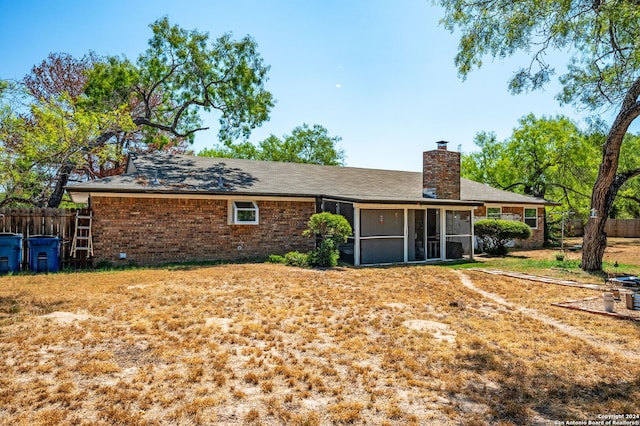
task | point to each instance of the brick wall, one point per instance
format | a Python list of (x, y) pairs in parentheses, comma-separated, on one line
[(441, 170), (161, 230), (537, 235)]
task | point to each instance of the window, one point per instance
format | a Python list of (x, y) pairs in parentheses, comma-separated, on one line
[(245, 213), (531, 217), (494, 212)]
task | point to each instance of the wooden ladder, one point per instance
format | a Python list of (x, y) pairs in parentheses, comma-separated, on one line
[(82, 239)]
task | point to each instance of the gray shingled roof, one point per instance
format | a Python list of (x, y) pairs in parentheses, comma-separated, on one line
[(176, 174)]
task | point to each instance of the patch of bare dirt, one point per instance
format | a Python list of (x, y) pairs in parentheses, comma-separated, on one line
[(621, 250), (68, 317), (596, 305), (438, 330), (553, 322)]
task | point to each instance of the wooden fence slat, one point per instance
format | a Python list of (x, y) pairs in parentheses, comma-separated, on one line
[(623, 228), (628, 228), (41, 221)]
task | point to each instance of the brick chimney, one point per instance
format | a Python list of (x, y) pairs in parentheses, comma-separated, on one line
[(441, 173)]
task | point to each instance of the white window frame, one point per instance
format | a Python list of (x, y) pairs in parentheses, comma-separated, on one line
[(534, 217), (494, 215), (236, 208)]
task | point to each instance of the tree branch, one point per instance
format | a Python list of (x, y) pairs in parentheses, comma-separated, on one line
[(630, 197), (9, 200), (621, 178), (143, 121)]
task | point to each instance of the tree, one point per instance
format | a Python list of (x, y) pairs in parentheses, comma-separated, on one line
[(41, 149), (305, 145), (181, 74), (627, 204), (544, 157), (604, 71)]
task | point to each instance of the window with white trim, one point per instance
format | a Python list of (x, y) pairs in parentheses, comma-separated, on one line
[(494, 212), (245, 213), (531, 217)]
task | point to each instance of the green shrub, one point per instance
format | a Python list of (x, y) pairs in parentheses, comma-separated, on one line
[(295, 258), (329, 226), (325, 256), (104, 265), (276, 258), (495, 234), (333, 229)]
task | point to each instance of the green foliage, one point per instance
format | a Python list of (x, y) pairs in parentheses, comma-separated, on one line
[(333, 229), (544, 157), (56, 132), (295, 258), (495, 234), (329, 226), (275, 258), (553, 159), (627, 204), (243, 150), (108, 107), (325, 255), (305, 145), (292, 258), (601, 41), (600, 37), (183, 71)]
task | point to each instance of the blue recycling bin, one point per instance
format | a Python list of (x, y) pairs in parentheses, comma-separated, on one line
[(10, 252), (44, 253)]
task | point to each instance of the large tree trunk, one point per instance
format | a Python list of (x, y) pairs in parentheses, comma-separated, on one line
[(595, 238), (608, 182), (61, 182)]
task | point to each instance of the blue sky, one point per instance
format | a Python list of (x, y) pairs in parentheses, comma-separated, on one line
[(378, 73)]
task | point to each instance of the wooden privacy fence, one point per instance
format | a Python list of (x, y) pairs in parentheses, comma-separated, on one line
[(42, 221), (624, 228), (628, 228)]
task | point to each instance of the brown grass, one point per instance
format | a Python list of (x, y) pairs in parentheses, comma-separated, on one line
[(268, 344)]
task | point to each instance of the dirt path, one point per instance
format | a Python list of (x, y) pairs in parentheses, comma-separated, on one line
[(532, 313)]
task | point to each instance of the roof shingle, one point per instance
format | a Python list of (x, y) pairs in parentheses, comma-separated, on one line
[(168, 173)]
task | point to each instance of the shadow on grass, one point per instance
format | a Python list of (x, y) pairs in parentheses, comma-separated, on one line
[(516, 394)]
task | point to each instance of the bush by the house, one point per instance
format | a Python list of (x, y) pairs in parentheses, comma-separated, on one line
[(293, 258), (495, 234), (333, 229), (326, 255)]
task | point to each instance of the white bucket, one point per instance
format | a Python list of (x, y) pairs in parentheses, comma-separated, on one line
[(607, 298)]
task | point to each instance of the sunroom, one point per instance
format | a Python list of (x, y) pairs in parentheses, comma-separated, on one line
[(401, 233)]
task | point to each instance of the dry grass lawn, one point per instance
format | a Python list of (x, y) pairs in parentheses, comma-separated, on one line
[(269, 344)]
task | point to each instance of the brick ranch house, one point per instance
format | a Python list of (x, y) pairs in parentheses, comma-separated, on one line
[(178, 208)]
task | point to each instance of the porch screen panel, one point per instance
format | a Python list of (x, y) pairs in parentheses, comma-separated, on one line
[(381, 250), (458, 234), (346, 210), (381, 236), (381, 223)]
